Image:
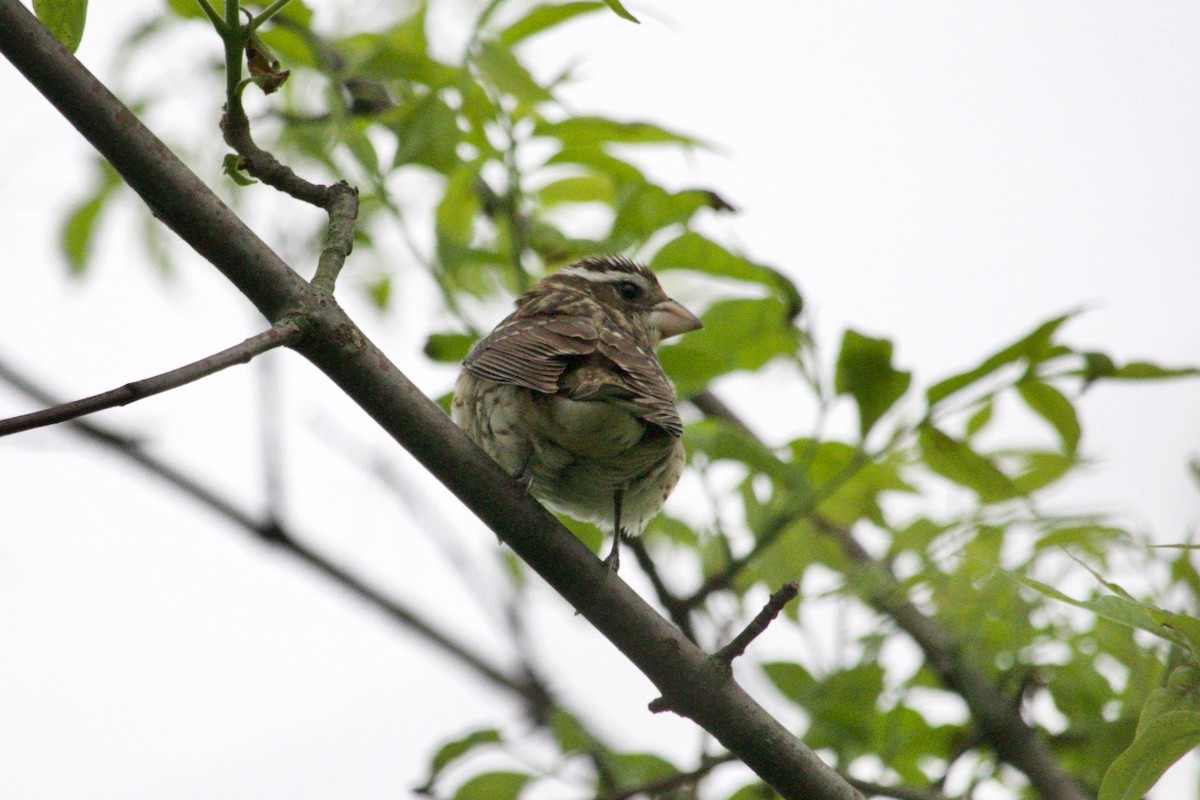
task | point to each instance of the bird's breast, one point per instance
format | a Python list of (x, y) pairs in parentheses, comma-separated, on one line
[(591, 428)]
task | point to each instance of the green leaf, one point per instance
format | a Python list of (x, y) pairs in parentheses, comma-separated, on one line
[(577, 189), (865, 372), (596, 131), (508, 75), (1040, 469), (722, 441), (694, 252), (64, 18), (737, 335), (636, 769), (1034, 348), (448, 347), (793, 680), (1053, 406), (380, 292), (980, 418), (571, 736), (426, 133), (544, 17), (188, 9), (649, 208), (493, 786), (1167, 739), (79, 228), (956, 461), (1145, 371), (456, 749), (231, 166), (620, 11), (1121, 610)]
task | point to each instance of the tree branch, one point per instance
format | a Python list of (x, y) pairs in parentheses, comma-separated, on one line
[(277, 534), (770, 611), (684, 674), (282, 333), (663, 785)]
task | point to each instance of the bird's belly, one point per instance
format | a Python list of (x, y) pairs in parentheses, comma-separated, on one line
[(590, 428)]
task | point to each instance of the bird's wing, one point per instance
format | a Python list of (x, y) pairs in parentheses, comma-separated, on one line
[(574, 357), (651, 391), (532, 352)]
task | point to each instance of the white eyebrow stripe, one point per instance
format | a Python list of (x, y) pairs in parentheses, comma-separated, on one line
[(596, 276)]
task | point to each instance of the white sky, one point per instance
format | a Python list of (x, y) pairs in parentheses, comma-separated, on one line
[(944, 174)]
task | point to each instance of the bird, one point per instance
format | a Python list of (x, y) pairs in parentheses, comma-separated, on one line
[(568, 395)]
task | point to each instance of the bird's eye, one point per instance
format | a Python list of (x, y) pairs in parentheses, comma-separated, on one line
[(629, 290)]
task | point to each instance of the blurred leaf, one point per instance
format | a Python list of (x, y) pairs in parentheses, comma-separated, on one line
[(1122, 610), (619, 10), (1040, 469), (791, 679), (380, 292), (291, 47), (1033, 348), (593, 132), (637, 769), (1144, 370), (722, 441), (1165, 740), (63, 18), (188, 9), (957, 462), (570, 735), (599, 161), (79, 228), (400, 53), (980, 418), (493, 786), (865, 372), (508, 75), (544, 17), (577, 189), (1095, 539), (449, 347), (426, 133), (694, 252), (1051, 405), (647, 208), (457, 748), (737, 335)]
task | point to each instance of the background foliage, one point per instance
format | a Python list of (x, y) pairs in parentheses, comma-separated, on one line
[(475, 174)]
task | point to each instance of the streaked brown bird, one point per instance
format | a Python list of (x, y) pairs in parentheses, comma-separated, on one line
[(568, 395)]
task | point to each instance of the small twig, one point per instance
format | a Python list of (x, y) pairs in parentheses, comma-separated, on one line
[(658, 787), (674, 606), (279, 335), (770, 611), (712, 406), (339, 200), (899, 792)]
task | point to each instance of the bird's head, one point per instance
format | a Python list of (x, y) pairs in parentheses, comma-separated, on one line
[(630, 291)]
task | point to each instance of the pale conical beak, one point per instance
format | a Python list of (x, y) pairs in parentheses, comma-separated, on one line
[(672, 319)]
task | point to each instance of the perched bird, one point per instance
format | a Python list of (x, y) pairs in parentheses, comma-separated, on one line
[(567, 394)]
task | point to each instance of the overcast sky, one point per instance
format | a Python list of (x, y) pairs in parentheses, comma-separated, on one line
[(945, 174)]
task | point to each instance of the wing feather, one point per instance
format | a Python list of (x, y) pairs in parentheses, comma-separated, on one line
[(576, 357)]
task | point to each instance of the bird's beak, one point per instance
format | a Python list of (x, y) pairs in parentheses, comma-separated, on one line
[(672, 319)]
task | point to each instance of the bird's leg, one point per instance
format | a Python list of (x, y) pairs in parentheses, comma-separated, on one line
[(613, 560), (524, 475)]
